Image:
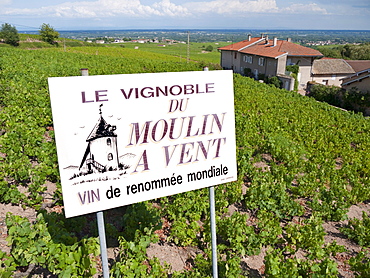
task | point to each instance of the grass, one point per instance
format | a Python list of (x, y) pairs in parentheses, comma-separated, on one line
[(196, 50)]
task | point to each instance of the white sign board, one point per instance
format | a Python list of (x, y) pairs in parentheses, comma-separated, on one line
[(123, 139)]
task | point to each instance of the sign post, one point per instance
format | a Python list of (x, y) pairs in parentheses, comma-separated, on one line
[(101, 227), (213, 230), (103, 244), (212, 211), (128, 138)]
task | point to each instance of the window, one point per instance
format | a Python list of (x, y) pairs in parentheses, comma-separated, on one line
[(261, 61), (248, 59), (110, 156), (109, 141), (235, 55)]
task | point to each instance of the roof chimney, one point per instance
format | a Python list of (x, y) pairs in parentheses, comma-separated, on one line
[(289, 40), (275, 41), (267, 39), (261, 35), (249, 37)]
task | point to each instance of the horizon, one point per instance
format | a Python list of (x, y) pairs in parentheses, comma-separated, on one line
[(207, 29)]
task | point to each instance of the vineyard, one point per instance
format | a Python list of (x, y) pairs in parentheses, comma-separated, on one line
[(300, 205)]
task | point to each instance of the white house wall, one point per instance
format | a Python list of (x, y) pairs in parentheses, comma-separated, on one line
[(305, 68), (329, 79), (281, 65)]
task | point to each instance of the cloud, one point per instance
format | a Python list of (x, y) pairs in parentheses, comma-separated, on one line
[(5, 2), (246, 7), (232, 6), (168, 8), (104, 8), (304, 8)]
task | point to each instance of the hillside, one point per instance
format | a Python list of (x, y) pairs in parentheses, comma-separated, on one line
[(296, 209), (32, 41)]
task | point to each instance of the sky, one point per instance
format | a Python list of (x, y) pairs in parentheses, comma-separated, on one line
[(186, 14)]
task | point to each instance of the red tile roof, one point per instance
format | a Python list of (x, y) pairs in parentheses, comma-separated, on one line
[(359, 65), (239, 45), (258, 46)]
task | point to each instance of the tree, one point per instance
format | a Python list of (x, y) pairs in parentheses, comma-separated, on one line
[(48, 34), (209, 48), (9, 34)]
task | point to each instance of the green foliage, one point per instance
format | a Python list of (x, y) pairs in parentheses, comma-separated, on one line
[(307, 236), (48, 33), (348, 51), (294, 69), (277, 266), (9, 34), (332, 203), (241, 239), (352, 99), (185, 211), (361, 264), (248, 72), (267, 195), (55, 250), (275, 81), (358, 230), (356, 100), (138, 217), (328, 94), (133, 260), (209, 48), (7, 265)]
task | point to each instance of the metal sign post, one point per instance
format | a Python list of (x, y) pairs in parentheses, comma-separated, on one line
[(212, 210), (101, 228), (103, 244), (213, 230)]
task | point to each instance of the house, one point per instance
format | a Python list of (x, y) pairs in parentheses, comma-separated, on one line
[(342, 73), (360, 80), (330, 72), (101, 154), (262, 56)]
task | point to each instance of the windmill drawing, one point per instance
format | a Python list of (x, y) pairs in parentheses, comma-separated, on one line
[(101, 154)]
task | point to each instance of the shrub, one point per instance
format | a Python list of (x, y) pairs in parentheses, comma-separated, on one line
[(209, 48), (275, 81), (9, 34)]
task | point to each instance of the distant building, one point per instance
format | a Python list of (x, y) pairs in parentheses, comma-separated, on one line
[(330, 71), (342, 73), (262, 56), (118, 41)]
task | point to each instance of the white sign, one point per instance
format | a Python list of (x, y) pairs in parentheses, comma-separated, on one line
[(123, 139)]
